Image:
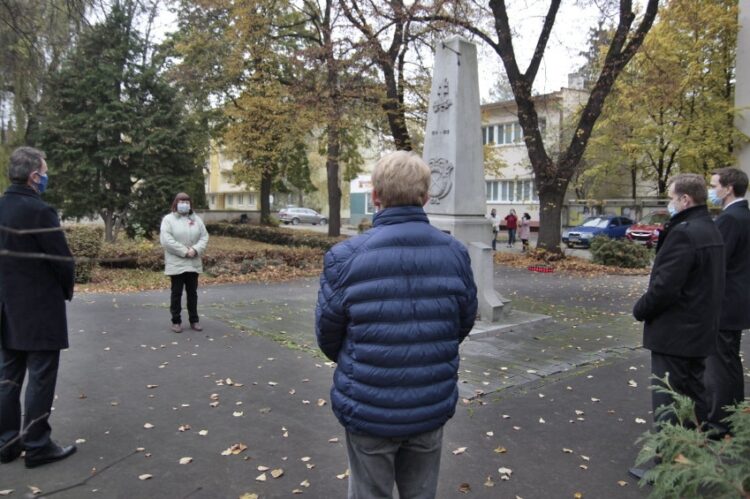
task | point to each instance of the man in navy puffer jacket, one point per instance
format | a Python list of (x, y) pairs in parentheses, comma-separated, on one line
[(393, 306)]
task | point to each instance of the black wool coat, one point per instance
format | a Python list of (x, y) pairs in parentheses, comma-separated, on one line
[(681, 307), (734, 225), (33, 291)]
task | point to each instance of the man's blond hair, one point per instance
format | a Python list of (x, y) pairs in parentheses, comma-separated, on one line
[(401, 178)]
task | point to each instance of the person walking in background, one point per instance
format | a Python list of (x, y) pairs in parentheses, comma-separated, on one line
[(680, 309), (525, 231), (511, 222), (394, 305), (184, 238), (33, 321), (724, 374), (495, 221)]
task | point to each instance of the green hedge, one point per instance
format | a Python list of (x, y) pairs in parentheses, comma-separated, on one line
[(619, 253), (85, 241), (271, 235)]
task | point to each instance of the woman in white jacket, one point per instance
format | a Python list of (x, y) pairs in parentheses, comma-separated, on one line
[(184, 238)]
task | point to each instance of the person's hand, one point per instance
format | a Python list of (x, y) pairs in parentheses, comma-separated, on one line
[(191, 253)]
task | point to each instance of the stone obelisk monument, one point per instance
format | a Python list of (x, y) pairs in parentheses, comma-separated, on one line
[(453, 150)]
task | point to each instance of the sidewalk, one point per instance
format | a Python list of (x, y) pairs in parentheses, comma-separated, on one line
[(561, 384)]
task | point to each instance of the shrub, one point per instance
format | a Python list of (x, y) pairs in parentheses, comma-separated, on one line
[(364, 225), (619, 253), (693, 464), (85, 243), (273, 235)]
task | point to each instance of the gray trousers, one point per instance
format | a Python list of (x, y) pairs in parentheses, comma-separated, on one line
[(412, 463)]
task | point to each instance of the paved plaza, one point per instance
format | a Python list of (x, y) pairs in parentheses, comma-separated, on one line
[(559, 401)]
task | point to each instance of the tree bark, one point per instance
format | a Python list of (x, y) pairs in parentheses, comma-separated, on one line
[(109, 225), (334, 191), (551, 200), (265, 197)]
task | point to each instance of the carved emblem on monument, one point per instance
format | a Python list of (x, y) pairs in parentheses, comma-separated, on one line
[(442, 102), (441, 179)]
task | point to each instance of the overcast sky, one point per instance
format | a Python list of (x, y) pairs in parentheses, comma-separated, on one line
[(568, 39)]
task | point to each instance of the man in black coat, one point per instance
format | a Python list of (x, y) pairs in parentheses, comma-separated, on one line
[(33, 324), (724, 375), (680, 309)]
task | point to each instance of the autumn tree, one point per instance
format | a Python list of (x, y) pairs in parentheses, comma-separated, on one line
[(553, 175), (114, 130), (673, 109)]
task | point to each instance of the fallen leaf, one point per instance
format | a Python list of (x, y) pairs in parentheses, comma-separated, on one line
[(305, 483), (237, 414), (183, 428), (489, 482), (585, 458), (145, 476), (583, 466), (261, 478), (577, 495), (333, 440), (297, 491), (579, 413), (343, 475), (542, 421), (501, 450), (234, 449), (622, 483), (186, 460), (214, 404), (460, 450), (505, 473), (80, 440), (310, 466), (272, 383), (490, 433), (516, 428), (148, 426), (248, 495), (229, 381), (35, 490), (464, 488), (6, 492), (681, 459), (594, 399), (214, 396), (277, 472), (632, 384), (263, 468), (305, 459), (140, 449), (152, 386), (292, 391), (640, 420), (203, 433), (321, 402), (567, 451)]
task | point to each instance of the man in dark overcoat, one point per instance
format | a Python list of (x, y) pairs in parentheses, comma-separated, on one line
[(680, 309), (724, 376), (33, 324)]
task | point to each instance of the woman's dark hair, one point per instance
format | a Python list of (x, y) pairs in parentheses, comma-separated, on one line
[(527, 216), (181, 196)]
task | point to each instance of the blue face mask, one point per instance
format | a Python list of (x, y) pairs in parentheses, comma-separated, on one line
[(672, 210), (714, 198), (43, 181)]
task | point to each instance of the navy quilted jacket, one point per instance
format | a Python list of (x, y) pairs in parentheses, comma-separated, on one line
[(393, 306)]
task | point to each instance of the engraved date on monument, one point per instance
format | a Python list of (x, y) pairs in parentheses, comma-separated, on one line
[(440, 132)]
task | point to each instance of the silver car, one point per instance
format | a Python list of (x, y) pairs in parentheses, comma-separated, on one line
[(296, 216)]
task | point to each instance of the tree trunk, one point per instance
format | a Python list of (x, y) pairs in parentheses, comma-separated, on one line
[(550, 211), (634, 179), (334, 191), (394, 111), (265, 198), (109, 225)]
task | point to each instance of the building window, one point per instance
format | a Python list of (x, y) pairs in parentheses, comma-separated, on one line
[(213, 200), (251, 198), (230, 199), (240, 199), (511, 191), (506, 133), (369, 206)]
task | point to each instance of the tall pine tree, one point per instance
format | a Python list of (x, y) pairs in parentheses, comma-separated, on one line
[(115, 133)]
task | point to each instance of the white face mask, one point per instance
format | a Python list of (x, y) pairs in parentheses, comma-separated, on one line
[(183, 208)]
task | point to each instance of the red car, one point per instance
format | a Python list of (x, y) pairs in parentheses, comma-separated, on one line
[(646, 231)]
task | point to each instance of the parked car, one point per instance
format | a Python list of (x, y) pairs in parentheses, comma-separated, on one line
[(647, 230), (604, 225), (296, 216)]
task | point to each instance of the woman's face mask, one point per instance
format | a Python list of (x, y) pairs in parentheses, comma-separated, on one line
[(183, 207)]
